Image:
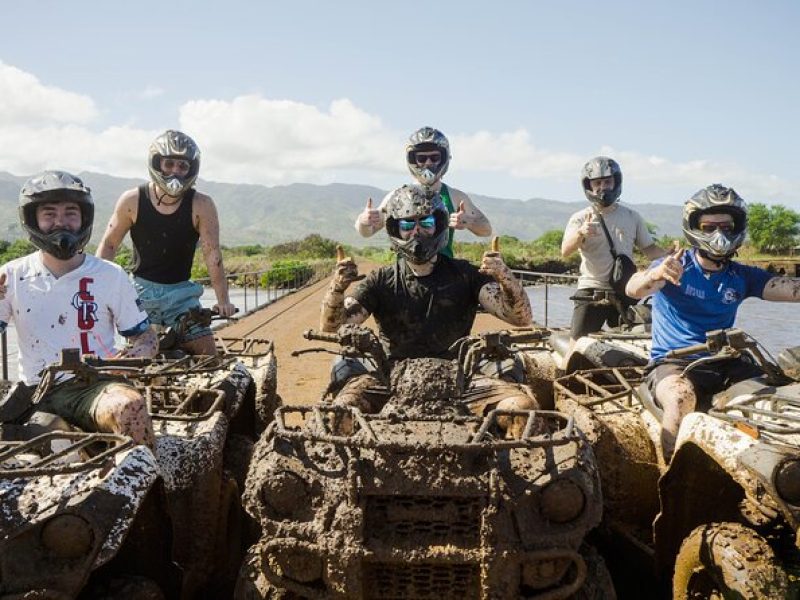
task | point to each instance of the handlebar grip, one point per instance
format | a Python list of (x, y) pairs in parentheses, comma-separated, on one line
[(310, 334), (688, 351)]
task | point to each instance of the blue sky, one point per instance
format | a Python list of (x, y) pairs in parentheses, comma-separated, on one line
[(682, 93)]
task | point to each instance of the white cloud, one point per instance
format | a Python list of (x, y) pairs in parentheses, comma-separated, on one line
[(25, 100), (252, 139)]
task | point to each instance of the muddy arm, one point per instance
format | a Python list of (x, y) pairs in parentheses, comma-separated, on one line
[(782, 289)]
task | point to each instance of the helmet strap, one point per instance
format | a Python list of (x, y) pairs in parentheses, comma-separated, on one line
[(720, 262), (164, 195)]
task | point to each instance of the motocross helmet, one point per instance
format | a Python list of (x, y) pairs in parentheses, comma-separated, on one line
[(717, 245), (427, 139), (598, 167), (173, 144), (413, 202), (56, 186)]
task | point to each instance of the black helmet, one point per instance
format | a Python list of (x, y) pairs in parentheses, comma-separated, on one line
[(56, 186), (173, 144), (597, 168), (427, 139), (716, 198), (413, 201)]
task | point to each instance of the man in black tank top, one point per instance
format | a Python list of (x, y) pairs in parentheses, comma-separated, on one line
[(166, 219)]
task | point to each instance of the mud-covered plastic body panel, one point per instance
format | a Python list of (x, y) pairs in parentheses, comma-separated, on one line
[(419, 506), (67, 504)]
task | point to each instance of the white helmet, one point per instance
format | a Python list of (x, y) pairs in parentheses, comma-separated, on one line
[(427, 139)]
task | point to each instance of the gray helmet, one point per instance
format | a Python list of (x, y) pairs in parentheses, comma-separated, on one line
[(413, 201), (173, 144), (597, 168), (715, 198), (427, 139), (56, 186)]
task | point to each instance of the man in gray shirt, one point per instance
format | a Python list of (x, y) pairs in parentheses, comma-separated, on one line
[(602, 184)]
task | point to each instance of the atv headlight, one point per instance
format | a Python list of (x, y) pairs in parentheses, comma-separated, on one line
[(787, 481), (562, 501), (544, 573), (284, 493), (67, 536)]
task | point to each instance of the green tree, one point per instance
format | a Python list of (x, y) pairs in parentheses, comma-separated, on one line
[(549, 242), (773, 229)]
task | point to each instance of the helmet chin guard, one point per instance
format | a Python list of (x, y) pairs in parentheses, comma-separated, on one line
[(51, 187), (414, 202), (717, 245), (597, 168), (427, 139), (173, 144)]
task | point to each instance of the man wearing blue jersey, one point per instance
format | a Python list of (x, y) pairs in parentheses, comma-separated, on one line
[(697, 291)]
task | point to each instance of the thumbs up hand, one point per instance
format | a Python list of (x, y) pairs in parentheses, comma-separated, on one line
[(346, 271), (458, 220), (671, 268), (492, 263), (370, 217)]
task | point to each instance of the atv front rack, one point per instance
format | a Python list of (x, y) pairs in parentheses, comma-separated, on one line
[(77, 451), (600, 386), (773, 413), (182, 403), (558, 429), (245, 347)]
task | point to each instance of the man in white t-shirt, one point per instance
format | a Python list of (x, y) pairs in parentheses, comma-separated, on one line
[(601, 179), (60, 298)]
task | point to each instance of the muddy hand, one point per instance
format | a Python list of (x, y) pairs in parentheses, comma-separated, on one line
[(492, 263), (458, 218), (370, 216), (671, 268), (346, 271), (3, 286), (224, 309)]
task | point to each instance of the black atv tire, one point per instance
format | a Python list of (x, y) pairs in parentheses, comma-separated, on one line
[(727, 560)]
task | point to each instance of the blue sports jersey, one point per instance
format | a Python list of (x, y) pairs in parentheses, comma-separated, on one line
[(704, 301)]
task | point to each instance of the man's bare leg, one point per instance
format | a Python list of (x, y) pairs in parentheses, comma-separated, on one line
[(677, 396), (204, 345), (122, 409)]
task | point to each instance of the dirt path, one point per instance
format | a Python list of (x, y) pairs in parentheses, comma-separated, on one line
[(301, 380)]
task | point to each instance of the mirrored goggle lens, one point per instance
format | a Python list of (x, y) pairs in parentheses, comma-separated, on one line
[(712, 227), (424, 222), (433, 157), (172, 164)]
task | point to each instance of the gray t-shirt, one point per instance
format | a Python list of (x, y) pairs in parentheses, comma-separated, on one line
[(627, 229)]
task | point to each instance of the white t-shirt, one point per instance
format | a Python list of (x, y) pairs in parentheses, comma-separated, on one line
[(627, 228), (80, 309)]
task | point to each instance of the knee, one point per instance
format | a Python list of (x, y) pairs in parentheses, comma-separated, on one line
[(520, 402), (123, 410)]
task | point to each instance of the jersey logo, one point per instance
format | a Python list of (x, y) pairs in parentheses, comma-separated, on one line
[(730, 296), (86, 307)]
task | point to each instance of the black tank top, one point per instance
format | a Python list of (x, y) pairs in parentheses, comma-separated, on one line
[(163, 245)]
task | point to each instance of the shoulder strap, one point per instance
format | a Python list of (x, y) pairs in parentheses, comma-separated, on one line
[(444, 192), (608, 236)]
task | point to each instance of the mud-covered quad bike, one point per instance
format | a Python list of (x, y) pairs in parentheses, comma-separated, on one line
[(622, 346), (84, 514), (424, 499), (194, 403), (721, 519), (257, 354)]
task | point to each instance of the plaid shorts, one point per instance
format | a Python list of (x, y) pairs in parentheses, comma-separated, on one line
[(166, 302)]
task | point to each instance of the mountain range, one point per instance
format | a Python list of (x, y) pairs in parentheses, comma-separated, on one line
[(257, 214)]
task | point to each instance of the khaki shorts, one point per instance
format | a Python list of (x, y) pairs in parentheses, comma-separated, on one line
[(76, 402)]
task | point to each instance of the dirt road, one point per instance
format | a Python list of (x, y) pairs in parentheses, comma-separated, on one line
[(301, 380)]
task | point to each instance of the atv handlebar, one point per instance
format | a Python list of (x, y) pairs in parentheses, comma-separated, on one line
[(311, 334)]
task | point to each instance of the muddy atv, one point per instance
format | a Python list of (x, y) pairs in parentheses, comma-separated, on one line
[(83, 514), (192, 402), (424, 499), (721, 519)]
